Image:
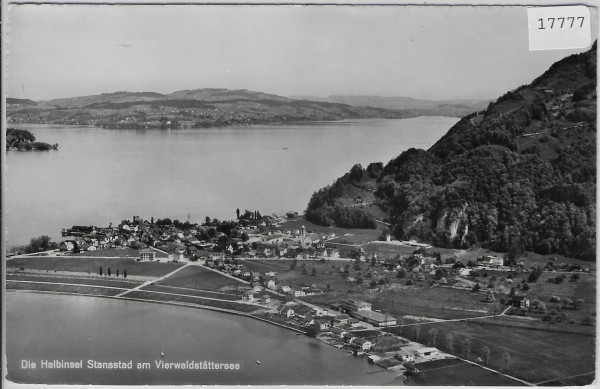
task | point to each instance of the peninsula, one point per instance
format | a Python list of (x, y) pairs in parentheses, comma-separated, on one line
[(23, 140)]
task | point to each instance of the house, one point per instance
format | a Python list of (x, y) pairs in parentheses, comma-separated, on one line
[(273, 239), (341, 319), (338, 332), (298, 293), (66, 246), (355, 305), (362, 343), (258, 288), (248, 295), (286, 288), (323, 324), (426, 351), (375, 318), (495, 261), (348, 337), (270, 274), (271, 284), (286, 311), (358, 199), (465, 272), (147, 255), (518, 302)]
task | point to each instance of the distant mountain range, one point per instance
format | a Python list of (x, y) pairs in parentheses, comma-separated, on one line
[(518, 176), (456, 108), (219, 107)]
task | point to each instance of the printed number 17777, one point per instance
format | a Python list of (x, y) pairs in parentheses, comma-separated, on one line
[(560, 22)]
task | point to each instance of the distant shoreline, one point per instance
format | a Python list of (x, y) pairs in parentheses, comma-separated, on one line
[(287, 123)]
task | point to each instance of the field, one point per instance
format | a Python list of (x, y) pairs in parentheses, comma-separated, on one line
[(457, 373), (97, 280), (344, 235), (57, 288), (193, 292), (92, 265), (145, 295), (196, 277), (439, 302), (535, 355), (326, 273)]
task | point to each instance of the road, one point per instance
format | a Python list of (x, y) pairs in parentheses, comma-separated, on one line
[(152, 281)]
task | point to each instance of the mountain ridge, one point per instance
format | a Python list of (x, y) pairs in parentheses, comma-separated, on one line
[(453, 107), (197, 108), (518, 175)]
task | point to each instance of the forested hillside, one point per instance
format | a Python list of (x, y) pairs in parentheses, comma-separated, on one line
[(520, 174), (23, 140)]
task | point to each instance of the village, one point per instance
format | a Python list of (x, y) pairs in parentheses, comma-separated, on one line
[(324, 284)]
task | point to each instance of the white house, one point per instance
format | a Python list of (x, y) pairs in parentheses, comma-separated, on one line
[(362, 343), (271, 284), (286, 311)]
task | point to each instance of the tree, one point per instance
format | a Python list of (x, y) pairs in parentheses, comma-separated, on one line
[(124, 273), (108, 272), (476, 287), (237, 212), (432, 336), (303, 269), (450, 341), (578, 304), (42, 243), (466, 346), (506, 359), (100, 272), (486, 355), (313, 272), (117, 274), (357, 264), (574, 278), (293, 264), (417, 332), (313, 330), (439, 273)]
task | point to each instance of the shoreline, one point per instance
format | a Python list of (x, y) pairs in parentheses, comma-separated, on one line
[(172, 303), (236, 126)]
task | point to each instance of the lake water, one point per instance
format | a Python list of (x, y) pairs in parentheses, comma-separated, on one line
[(72, 328), (101, 176)]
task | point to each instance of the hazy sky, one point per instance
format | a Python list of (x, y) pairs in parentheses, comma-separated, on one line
[(424, 52)]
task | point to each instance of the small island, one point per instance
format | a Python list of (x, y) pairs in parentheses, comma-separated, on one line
[(23, 140)]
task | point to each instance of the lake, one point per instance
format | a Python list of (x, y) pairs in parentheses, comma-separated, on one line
[(101, 176), (72, 328)]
